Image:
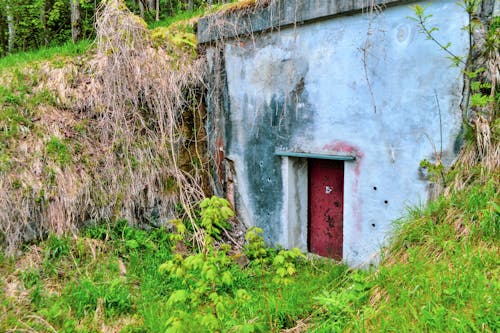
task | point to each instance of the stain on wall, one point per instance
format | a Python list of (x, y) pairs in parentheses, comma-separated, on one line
[(342, 147)]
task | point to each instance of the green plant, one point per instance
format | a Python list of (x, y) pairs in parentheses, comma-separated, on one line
[(136, 239), (30, 278), (481, 95), (284, 265), (57, 247), (342, 303), (58, 150), (214, 214), (422, 19), (280, 264), (209, 292), (436, 171), (207, 279), (116, 296), (255, 248), (83, 297)]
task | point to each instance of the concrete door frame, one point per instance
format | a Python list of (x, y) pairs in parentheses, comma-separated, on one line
[(295, 173)]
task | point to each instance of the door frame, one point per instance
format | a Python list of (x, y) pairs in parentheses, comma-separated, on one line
[(295, 175)]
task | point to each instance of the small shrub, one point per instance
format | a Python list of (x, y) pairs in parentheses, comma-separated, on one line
[(214, 214), (255, 248), (208, 297)]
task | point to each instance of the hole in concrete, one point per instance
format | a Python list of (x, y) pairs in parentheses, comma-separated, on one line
[(373, 225), (386, 202), (374, 188)]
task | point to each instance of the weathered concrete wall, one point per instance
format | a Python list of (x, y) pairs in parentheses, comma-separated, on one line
[(370, 86), (282, 14)]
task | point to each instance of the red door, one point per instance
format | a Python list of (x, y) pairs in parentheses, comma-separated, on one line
[(326, 207)]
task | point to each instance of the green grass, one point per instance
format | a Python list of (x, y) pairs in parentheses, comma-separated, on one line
[(110, 277), (58, 150), (442, 272), (48, 53), (182, 16)]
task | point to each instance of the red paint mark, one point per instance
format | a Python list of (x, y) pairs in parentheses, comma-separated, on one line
[(219, 157), (347, 148)]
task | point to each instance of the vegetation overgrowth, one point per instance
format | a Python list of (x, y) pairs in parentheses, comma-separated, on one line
[(130, 280), (441, 271), (32, 24), (112, 133), (440, 274)]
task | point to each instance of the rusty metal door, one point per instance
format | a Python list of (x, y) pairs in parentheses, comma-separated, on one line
[(326, 207)]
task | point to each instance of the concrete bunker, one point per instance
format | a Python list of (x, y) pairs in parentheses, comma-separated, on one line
[(317, 102)]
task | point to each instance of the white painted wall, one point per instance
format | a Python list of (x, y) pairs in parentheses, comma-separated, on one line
[(406, 73)]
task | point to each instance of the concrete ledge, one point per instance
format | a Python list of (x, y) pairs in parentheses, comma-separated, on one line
[(279, 14), (320, 156)]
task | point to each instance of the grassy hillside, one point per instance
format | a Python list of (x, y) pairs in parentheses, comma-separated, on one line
[(110, 133), (440, 274)]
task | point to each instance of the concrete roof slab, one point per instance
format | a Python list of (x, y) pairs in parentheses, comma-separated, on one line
[(280, 14)]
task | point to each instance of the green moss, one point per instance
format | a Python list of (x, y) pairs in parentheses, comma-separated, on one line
[(177, 41)]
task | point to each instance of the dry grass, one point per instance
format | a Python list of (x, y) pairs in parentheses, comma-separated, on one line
[(139, 95), (127, 130)]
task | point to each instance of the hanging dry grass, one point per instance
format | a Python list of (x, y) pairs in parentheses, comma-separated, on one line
[(139, 98), (125, 140), (483, 153)]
